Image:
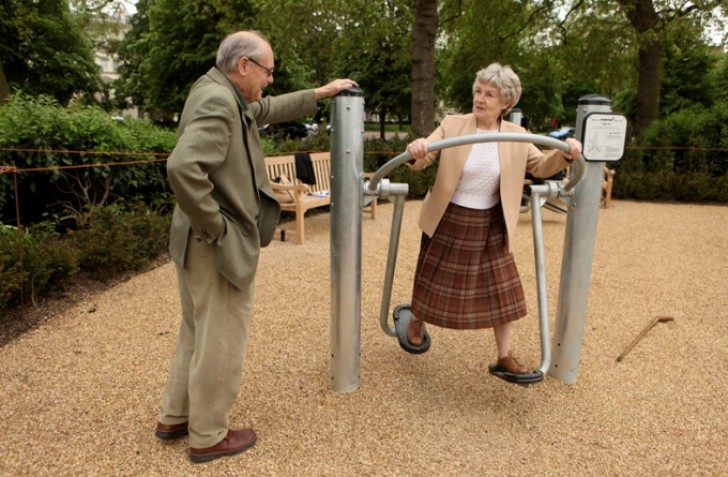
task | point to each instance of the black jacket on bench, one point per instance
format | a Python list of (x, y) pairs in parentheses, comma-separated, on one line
[(304, 168)]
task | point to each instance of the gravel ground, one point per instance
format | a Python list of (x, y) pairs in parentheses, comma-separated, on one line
[(79, 394)]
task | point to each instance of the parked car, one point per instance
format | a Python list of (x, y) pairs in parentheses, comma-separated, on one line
[(284, 131), (563, 133)]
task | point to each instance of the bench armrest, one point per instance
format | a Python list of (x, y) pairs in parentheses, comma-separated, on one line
[(298, 189)]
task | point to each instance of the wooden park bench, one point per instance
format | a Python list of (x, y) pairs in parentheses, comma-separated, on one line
[(298, 197), (605, 198)]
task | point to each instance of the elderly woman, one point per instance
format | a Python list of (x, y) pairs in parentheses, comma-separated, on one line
[(466, 277)]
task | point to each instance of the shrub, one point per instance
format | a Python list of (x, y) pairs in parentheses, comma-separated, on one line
[(93, 139), (680, 158), (48, 261), (11, 278), (112, 240)]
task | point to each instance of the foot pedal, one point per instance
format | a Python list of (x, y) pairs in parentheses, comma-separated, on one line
[(531, 377), (402, 316)]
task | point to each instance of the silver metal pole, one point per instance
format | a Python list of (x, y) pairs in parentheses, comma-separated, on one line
[(347, 172), (398, 198), (576, 264), (546, 191)]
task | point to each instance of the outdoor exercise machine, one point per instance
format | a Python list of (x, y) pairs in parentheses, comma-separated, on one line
[(603, 135)]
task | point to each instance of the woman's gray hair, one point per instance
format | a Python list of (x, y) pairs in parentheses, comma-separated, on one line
[(503, 78), (235, 46)]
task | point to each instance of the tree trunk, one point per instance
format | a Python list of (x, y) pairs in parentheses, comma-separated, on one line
[(424, 33), (645, 21), (4, 86), (648, 87)]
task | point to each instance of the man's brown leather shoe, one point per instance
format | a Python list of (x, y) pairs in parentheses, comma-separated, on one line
[(168, 432), (235, 442)]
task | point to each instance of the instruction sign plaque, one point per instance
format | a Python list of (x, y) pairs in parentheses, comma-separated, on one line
[(605, 136)]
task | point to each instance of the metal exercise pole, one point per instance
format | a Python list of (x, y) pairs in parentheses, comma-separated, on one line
[(347, 171), (576, 264), (373, 184), (546, 191)]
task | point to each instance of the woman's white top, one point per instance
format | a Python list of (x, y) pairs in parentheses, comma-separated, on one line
[(479, 186)]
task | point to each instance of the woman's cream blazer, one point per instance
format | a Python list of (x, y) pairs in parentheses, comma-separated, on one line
[(515, 159)]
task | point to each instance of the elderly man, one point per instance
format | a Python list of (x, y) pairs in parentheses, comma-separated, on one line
[(225, 212)]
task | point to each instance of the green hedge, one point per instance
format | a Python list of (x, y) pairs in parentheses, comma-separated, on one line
[(112, 240), (682, 157), (85, 136), (109, 241), (48, 262)]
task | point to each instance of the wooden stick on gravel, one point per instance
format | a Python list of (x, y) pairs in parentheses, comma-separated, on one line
[(653, 322)]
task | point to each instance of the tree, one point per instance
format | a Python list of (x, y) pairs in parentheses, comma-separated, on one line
[(424, 34), (645, 20), (376, 35), (687, 62), (304, 54), (524, 36), (44, 52), (130, 90), (172, 43), (648, 18), (4, 86)]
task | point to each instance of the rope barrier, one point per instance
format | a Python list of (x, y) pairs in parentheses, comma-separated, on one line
[(162, 157), (19, 231)]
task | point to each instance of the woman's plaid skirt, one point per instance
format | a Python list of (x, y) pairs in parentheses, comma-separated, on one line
[(466, 278)]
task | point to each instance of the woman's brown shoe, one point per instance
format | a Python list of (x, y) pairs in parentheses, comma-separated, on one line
[(510, 364)]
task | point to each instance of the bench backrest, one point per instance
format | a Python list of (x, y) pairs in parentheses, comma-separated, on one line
[(286, 165)]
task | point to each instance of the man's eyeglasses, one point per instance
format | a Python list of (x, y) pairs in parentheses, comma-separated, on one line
[(267, 70)]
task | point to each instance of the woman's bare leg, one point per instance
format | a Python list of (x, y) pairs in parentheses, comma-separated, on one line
[(415, 334)]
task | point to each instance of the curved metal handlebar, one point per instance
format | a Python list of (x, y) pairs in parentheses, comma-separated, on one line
[(478, 138)]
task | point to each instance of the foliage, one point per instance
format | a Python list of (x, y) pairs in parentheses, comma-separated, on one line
[(381, 50), (687, 62), (679, 158), (320, 47), (110, 241), (304, 54), (44, 52), (52, 137), (508, 33), (378, 152), (48, 262), (172, 43), (115, 239), (315, 142), (130, 86), (11, 277)]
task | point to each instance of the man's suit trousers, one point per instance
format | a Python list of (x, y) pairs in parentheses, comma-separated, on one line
[(204, 378)]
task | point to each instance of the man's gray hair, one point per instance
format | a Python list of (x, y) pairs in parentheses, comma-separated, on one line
[(235, 46), (503, 78)]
